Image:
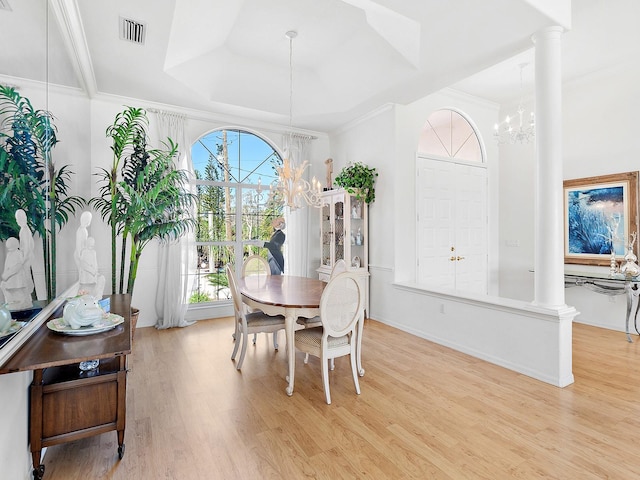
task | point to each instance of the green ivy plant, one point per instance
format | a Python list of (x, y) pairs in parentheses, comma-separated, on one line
[(358, 179)]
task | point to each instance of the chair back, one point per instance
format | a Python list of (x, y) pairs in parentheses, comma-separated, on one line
[(255, 265), (341, 304), (339, 267), (237, 300)]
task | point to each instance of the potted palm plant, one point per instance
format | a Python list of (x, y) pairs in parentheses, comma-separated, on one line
[(30, 179), (142, 197)]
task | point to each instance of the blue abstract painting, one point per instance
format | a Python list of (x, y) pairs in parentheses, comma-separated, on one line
[(595, 216)]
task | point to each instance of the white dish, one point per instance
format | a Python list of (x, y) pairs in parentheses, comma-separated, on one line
[(15, 327), (59, 325)]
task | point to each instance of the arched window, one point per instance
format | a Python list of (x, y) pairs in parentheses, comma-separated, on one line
[(449, 134), (233, 170)]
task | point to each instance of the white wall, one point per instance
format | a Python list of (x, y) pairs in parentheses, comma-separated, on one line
[(15, 458), (70, 110), (517, 213), (508, 333), (599, 138)]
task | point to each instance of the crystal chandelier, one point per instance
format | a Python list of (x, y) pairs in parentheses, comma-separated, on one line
[(290, 188), (523, 131)]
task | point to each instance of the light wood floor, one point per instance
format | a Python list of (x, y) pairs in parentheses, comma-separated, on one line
[(425, 412)]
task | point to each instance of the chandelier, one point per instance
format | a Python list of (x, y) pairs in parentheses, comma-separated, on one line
[(290, 188), (519, 131)]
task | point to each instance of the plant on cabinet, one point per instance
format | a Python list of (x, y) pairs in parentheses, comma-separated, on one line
[(359, 180)]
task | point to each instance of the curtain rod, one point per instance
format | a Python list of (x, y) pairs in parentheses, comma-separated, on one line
[(300, 135)]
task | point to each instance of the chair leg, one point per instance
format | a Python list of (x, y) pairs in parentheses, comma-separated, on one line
[(255, 337), (275, 340), (359, 346), (245, 339), (306, 358), (354, 370), (325, 380), (237, 339), (332, 363)]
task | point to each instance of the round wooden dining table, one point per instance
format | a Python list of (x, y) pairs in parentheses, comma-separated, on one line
[(287, 295)]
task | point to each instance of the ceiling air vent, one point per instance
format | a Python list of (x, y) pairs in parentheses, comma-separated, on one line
[(131, 30)]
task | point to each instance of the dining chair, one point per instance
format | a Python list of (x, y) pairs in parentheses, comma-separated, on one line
[(341, 310), (247, 323), (257, 265), (339, 267)]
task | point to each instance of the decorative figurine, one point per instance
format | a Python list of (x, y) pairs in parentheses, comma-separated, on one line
[(14, 282), (630, 268), (26, 250), (81, 237), (5, 318), (329, 163), (84, 255), (613, 236), (90, 281), (82, 311)]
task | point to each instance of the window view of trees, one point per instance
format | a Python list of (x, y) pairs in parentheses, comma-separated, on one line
[(233, 170)]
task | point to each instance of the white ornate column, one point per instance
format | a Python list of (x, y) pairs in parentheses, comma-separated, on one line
[(549, 216)]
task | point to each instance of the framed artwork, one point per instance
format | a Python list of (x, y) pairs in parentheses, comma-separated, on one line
[(600, 214)]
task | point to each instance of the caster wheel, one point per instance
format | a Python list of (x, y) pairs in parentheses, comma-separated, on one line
[(121, 451), (38, 473)]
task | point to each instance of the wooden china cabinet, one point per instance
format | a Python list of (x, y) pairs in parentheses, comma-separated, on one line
[(66, 403)]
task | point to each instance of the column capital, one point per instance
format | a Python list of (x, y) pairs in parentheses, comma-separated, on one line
[(547, 32)]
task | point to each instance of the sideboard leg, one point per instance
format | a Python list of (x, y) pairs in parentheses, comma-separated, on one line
[(120, 444), (38, 470)]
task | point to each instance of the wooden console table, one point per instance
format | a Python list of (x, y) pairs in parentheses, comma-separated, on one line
[(66, 403), (611, 286)]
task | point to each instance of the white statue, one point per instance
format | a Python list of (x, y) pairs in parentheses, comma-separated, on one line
[(81, 237), (86, 259), (329, 163), (90, 281), (26, 249), (14, 282), (630, 268)]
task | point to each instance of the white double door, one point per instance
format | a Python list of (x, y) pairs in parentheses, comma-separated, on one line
[(452, 224)]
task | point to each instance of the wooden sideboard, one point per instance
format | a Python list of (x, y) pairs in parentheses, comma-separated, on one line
[(66, 403)]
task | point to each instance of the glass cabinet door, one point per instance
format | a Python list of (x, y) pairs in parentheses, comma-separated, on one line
[(358, 234), (326, 232), (339, 230)]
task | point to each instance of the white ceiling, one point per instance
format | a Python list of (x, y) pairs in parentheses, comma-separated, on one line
[(350, 56)]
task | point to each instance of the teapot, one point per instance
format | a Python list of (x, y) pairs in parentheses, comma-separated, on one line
[(5, 318), (82, 311)]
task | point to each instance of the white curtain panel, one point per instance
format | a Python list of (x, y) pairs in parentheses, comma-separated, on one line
[(296, 251), (176, 260)]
